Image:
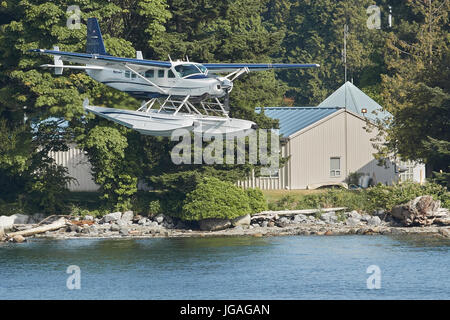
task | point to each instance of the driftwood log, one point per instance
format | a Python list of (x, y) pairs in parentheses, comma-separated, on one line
[(422, 211), (61, 223), (275, 214)]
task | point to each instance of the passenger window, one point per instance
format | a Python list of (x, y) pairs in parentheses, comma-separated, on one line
[(150, 73), (133, 75), (160, 73), (127, 74), (171, 74)]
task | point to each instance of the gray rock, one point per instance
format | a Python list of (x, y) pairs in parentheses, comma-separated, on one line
[(366, 218), (36, 218), (284, 220), (238, 228), (115, 227), (255, 225), (154, 224), (2, 232), (159, 218), (354, 214), (214, 224), (352, 221), (123, 223), (89, 218), (329, 217), (374, 221), (264, 224), (127, 216), (300, 218), (6, 222), (123, 231), (242, 220), (114, 216), (142, 221)]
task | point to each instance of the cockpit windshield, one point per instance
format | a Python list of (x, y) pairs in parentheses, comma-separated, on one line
[(188, 69)]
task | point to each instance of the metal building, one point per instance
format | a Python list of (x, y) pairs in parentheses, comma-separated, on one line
[(327, 143)]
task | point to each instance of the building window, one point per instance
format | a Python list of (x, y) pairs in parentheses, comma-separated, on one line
[(335, 167), (407, 173), (160, 73)]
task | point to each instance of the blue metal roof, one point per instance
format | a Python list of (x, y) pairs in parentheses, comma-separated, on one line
[(293, 119)]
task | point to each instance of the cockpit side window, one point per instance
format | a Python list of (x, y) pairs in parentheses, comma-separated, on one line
[(202, 68), (187, 69)]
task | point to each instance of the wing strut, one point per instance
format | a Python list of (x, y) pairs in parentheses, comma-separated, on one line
[(161, 90)]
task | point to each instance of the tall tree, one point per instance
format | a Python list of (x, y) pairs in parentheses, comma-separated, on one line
[(416, 89)]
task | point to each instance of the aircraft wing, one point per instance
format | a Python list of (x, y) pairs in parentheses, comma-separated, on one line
[(104, 60), (229, 67)]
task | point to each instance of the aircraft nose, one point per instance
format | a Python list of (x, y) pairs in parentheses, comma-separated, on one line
[(226, 84)]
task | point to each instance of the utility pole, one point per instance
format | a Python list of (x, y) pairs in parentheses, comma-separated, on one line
[(345, 52)]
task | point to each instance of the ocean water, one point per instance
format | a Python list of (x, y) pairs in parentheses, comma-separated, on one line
[(294, 267)]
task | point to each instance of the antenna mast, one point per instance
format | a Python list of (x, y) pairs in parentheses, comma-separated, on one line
[(345, 52)]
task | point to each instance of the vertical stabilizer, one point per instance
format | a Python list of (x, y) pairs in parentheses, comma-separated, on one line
[(94, 42)]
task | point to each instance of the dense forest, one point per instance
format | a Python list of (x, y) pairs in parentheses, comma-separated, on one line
[(402, 63)]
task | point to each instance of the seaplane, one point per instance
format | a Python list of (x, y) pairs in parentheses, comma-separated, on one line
[(175, 94)]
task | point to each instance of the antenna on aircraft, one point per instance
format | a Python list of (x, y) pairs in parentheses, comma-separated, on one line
[(187, 58), (170, 59)]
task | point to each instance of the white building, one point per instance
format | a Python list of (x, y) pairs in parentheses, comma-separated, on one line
[(327, 143)]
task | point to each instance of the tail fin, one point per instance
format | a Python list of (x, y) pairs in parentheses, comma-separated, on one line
[(94, 42)]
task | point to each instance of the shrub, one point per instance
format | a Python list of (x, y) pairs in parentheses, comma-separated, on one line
[(154, 207), (386, 197), (257, 201), (214, 198)]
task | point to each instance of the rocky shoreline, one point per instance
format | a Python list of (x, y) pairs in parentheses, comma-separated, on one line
[(119, 225), (422, 215)]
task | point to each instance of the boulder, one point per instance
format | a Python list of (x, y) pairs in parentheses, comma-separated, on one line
[(352, 221), (374, 221), (36, 218), (6, 222), (115, 227), (329, 217), (159, 218), (114, 216), (89, 218), (241, 221), (421, 211), (2, 233), (354, 214), (214, 224), (123, 231), (142, 221), (127, 216)]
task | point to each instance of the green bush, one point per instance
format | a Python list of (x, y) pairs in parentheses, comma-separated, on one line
[(257, 201), (368, 200), (386, 197), (154, 207), (214, 198)]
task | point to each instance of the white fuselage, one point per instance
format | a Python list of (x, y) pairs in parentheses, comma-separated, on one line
[(182, 79)]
